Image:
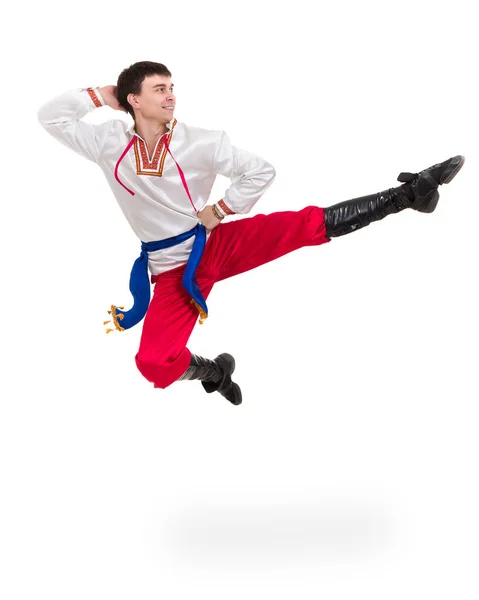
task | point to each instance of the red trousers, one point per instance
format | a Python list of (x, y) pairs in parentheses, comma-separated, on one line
[(232, 248)]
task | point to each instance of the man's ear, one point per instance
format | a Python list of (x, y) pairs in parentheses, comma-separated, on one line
[(131, 98)]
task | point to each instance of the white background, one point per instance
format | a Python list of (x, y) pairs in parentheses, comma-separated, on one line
[(350, 470)]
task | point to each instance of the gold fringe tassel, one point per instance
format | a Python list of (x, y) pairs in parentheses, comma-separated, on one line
[(203, 315), (116, 318), (119, 316)]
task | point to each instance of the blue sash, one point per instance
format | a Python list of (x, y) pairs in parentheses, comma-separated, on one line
[(140, 282)]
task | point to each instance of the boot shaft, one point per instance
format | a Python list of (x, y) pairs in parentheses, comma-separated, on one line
[(357, 213), (203, 369)]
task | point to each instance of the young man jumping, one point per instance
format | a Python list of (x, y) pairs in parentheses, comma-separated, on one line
[(161, 172)]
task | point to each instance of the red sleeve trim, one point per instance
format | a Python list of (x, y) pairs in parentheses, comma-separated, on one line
[(94, 97), (225, 209)]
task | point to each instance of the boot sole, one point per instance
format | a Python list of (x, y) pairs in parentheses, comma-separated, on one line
[(431, 206), (234, 396), (455, 171), (237, 397)]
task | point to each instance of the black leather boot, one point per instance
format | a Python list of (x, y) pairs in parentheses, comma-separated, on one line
[(419, 192), (215, 376)]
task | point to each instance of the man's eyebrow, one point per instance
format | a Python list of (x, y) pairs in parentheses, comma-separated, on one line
[(162, 85)]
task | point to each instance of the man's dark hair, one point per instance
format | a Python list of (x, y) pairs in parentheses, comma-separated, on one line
[(130, 80)]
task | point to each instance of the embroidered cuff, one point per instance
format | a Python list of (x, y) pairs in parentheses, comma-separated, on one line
[(225, 210), (95, 96)]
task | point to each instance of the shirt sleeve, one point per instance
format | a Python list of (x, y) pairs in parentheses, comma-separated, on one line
[(250, 176), (61, 117)]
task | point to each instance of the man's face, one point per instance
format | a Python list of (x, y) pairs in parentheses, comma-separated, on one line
[(156, 99)]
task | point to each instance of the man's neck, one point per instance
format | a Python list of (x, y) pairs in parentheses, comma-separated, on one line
[(150, 130)]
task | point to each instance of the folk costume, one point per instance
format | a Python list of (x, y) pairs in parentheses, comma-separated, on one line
[(160, 195)]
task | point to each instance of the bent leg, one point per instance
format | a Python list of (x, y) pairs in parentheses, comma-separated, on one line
[(162, 356)]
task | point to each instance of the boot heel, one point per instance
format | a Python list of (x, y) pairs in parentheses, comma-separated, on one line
[(431, 205)]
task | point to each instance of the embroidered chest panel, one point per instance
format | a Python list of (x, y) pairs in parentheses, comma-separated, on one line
[(154, 167)]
